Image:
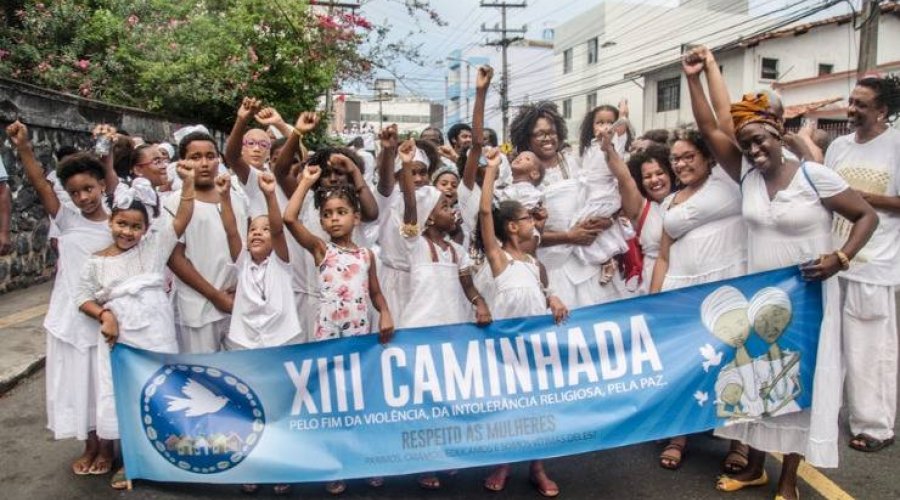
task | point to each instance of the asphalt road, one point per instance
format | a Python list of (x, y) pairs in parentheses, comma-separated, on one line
[(34, 466)]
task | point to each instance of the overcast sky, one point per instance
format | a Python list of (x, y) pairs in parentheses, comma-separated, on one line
[(464, 19)]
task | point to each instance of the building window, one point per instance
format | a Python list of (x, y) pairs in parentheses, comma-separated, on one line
[(826, 69), (593, 50), (668, 94), (769, 69), (591, 101), (567, 109), (567, 61)]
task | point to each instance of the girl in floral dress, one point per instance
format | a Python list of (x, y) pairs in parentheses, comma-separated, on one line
[(347, 278)]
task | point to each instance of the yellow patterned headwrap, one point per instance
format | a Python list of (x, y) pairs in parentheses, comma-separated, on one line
[(754, 108)]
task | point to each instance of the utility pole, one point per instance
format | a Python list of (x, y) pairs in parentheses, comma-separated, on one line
[(868, 37), (504, 43)]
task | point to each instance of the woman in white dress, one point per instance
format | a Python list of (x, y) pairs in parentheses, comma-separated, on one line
[(788, 208), (704, 236)]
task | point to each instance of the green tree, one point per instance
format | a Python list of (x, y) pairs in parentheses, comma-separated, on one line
[(191, 60)]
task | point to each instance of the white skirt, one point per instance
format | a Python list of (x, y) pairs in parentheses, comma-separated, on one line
[(812, 432), (71, 397)]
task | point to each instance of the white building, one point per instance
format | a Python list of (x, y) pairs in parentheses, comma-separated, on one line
[(812, 66), (461, 73), (595, 51), (411, 114)]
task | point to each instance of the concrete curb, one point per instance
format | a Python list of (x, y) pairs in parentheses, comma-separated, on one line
[(33, 367)]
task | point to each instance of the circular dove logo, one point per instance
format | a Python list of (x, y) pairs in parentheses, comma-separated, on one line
[(201, 419)]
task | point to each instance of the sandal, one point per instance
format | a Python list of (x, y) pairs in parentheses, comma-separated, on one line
[(336, 487), (544, 485), (726, 483), (249, 489), (866, 443), (496, 482), (375, 482), (100, 466), (282, 489), (119, 481), (737, 458), (429, 482), (796, 495), (82, 465), (672, 455)]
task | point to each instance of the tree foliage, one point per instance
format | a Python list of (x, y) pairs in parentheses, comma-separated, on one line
[(191, 60)]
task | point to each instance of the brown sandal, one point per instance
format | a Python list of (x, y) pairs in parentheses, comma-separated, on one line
[(737, 458), (672, 455)]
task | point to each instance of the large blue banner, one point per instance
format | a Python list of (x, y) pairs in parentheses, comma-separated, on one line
[(459, 396)]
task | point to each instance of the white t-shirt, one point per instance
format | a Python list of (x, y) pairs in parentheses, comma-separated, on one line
[(264, 313), (873, 167), (206, 246)]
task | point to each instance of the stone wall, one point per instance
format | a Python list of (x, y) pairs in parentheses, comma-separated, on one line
[(53, 120)]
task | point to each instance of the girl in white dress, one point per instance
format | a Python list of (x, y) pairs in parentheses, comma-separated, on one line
[(788, 208), (521, 285), (72, 336), (123, 288)]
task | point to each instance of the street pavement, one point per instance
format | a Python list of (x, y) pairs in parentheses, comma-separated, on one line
[(34, 466)]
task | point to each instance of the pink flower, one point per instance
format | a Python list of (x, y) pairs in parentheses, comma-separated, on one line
[(83, 64), (343, 293), (3, 54), (339, 314)]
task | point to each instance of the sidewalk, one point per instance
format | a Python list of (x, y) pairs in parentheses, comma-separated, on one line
[(24, 346)]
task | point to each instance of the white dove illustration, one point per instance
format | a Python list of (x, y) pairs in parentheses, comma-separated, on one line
[(199, 400), (701, 397), (712, 357)]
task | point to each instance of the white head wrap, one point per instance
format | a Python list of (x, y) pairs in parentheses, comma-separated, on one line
[(769, 296), (168, 148), (721, 301), (427, 197), (184, 131), (420, 157), (140, 189), (444, 169)]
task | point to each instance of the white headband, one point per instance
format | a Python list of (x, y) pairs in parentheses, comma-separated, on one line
[(184, 131), (721, 301), (168, 148), (769, 296)]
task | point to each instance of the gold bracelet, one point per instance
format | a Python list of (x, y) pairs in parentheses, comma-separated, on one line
[(409, 230), (188, 198), (845, 261), (474, 299)]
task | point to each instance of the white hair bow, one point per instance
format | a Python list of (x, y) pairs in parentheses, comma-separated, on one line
[(140, 190)]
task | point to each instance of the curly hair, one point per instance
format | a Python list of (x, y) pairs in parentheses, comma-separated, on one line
[(525, 120), (454, 131), (343, 191), (887, 93), (321, 157), (694, 138), (654, 152), (80, 163), (587, 125)]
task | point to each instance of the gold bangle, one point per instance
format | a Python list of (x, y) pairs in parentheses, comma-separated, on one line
[(188, 198), (409, 230), (474, 299), (845, 261)]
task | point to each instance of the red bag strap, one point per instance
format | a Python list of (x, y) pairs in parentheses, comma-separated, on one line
[(643, 218)]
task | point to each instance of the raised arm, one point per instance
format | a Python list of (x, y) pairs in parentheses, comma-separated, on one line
[(185, 211), (407, 153), (483, 77), (18, 134), (270, 116), (276, 226), (234, 144), (723, 146), (312, 243), (492, 249), (306, 123), (223, 188), (632, 199), (389, 142), (368, 207), (109, 171)]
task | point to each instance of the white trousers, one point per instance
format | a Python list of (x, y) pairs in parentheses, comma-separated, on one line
[(205, 339), (869, 344)]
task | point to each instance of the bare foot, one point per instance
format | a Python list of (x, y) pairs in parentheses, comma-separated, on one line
[(497, 480)]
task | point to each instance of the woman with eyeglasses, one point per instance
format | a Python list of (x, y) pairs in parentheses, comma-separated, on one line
[(540, 129), (704, 237)]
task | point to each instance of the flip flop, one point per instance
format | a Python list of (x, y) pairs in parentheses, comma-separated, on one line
[(869, 444), (82, 465), (100, 466), (492, 483), (119, 481), (726, 483), (546, 487), (429, 482)]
